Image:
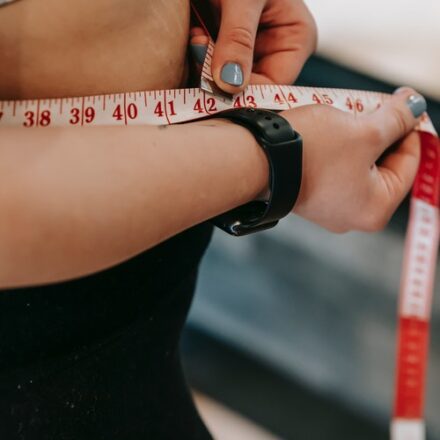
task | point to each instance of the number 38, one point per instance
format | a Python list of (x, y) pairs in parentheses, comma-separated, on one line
[(32, 121)]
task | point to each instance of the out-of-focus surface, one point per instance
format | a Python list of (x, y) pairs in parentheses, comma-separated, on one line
[(319, 308), (225, 424), (394, 40), (282, 404)]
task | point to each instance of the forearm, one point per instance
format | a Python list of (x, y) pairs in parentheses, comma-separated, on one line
[(77, 201)]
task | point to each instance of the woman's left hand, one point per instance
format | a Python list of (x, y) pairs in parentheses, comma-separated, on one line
[(261, 42)]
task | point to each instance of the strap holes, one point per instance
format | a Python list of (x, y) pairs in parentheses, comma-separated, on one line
[(276, 126), (268, 118)]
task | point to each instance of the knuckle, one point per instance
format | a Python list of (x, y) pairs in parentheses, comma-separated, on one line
[(400, 120), (374, 134), (242, 36), (374, 221), (340, 230), (405, 90)]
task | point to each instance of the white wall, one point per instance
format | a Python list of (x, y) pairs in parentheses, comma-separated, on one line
[(394, 40)]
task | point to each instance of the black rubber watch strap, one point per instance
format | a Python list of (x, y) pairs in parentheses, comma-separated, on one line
[(283, 148)]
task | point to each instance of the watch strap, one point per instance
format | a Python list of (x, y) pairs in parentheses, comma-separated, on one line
[(283, 148)]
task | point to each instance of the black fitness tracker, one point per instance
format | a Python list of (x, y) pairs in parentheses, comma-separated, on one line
[(283, 148)]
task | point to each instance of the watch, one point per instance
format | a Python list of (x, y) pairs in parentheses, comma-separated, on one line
[(283, 148)]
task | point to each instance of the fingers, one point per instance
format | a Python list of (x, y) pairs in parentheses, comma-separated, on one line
[(398, 168), (394, 162), (345, 186), (282, 67), (286, 37), (198, 45), (392, 181), (396, 118), (287, 41), (234, 52), (198, 36)]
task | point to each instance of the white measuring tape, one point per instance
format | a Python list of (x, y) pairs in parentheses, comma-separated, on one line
[(182, 105)]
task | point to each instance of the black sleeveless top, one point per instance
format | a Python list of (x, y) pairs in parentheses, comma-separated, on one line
[(98, 358)]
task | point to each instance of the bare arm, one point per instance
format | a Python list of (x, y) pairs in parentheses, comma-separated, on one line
[(73, 202)]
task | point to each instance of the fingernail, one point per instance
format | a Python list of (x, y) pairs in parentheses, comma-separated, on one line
[(232, 74), (199, 52), (417, 105)]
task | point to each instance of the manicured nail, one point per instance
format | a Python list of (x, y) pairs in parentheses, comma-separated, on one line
[(232, 74), (199, 52), (417, 104)]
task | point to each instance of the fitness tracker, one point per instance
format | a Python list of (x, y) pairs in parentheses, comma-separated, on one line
[(283, 148)]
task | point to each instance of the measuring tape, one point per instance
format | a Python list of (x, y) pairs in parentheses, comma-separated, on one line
[(183, 105)]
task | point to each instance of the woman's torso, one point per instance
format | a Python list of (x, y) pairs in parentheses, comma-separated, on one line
[(55, 48)]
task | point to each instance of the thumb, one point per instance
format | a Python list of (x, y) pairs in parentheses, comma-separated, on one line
[(397, 117), (234, 52)]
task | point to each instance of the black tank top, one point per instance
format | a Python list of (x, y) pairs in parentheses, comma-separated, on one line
[(98, 358)]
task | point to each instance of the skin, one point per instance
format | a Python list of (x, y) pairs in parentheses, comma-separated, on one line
[(269, 39), (55, 48), (74, 202)]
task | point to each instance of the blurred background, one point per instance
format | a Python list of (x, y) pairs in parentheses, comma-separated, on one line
[(295, 328)]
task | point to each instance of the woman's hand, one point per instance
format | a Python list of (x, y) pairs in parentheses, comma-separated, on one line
[(352, 179), (260, 42)]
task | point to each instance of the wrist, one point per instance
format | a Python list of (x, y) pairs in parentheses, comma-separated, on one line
[(253, 161), (282, 146)]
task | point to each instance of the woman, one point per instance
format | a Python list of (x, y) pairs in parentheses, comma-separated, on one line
[(95, 290)]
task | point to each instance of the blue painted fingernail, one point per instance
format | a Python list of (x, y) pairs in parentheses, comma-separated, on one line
[(417, 105), (199, 52), (232, 74)]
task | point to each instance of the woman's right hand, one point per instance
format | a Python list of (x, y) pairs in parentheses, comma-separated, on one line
[(352, 179)]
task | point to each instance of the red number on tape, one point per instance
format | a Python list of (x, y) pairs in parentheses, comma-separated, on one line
[(117, 114), (172, 110), (277, 98), (44, 119), (158, 110), (325, 99), (212, 107), (251, 101), (30, 116), (237, 102), (89, 115), (198, 106), (357, 105), (132, 111)]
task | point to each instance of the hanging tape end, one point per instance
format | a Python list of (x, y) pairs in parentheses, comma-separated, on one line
[(408, 429)]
